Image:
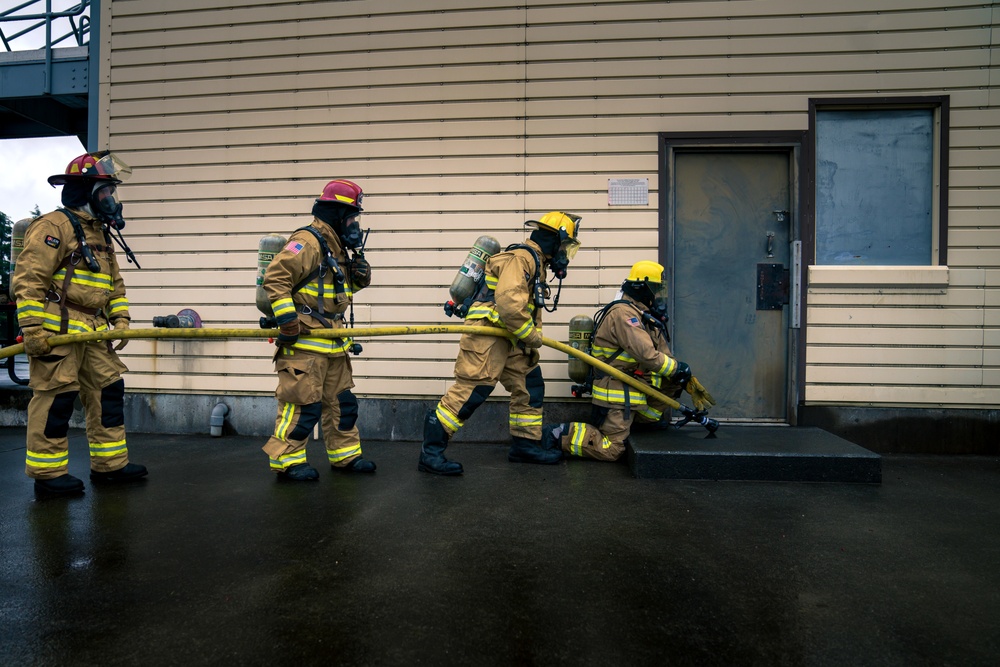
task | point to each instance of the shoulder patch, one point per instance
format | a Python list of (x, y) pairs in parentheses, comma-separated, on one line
[(52, 241), (633, 321), (294, 247)]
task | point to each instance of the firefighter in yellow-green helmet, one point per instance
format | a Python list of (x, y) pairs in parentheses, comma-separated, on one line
[(513, 299), (630, 335)]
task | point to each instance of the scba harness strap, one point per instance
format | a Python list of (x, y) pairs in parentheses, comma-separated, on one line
[(85, 252), (328, 262)]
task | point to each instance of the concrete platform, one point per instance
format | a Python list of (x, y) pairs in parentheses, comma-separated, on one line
[(752, 453), (211, 561)]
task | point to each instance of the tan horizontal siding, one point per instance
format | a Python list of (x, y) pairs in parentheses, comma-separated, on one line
[(464, 117)]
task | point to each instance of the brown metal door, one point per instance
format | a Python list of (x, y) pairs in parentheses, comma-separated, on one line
[(730, 261)]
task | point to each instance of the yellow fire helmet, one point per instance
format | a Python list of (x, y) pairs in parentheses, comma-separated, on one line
[(646, 271), (566, 225)]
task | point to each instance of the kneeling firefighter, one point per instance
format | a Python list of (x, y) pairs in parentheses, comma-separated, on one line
[(310, 284), (512, 297), (67, 280), (630, 335)]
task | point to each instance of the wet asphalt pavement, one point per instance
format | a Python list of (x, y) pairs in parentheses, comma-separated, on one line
[(211, 561)]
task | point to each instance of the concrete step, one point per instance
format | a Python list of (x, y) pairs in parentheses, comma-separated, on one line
[(760, 453)]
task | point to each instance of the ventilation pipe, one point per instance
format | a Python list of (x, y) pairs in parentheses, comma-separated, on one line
[(218, 418)]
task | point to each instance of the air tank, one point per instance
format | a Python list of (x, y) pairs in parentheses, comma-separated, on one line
[(471, 273), (267, 248), (16, 246), (580, 329)]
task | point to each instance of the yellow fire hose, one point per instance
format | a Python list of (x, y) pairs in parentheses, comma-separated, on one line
[(361, 332)]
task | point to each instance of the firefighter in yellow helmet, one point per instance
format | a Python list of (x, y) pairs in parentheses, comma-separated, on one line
[(310, 284), (513, 299), (67, 280), (629, 334)]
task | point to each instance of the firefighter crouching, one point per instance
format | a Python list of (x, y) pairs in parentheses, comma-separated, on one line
[(513, 298), (310, 284), (67, 280), (629, 334)]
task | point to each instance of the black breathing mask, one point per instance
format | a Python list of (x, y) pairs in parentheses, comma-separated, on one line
[(559, 265), (351, 234), (105, 205)]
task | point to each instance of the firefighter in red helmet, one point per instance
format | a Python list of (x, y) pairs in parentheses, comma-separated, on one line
[(310, 284), (67, 280)]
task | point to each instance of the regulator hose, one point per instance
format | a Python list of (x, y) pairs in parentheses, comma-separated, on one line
[(361, 332)]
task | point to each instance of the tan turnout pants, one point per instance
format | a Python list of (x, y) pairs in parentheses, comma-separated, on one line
[(313, 388), (93, 372)]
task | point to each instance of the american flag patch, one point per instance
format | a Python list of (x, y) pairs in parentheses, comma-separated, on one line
[(294, 247), (633, 321)]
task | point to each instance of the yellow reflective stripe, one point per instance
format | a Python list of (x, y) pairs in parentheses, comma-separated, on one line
[(337, 455), (288, 460), (450, 420), (484, 312), (323, 345), (329, 291), (668, 366), (524, 420), (605, 443), (52, 322), (287, 413), (577, 431), (650, 412), (117, 305), (283, 306), (42, 460), (491, 282), (108, 448), (84, 277), (525, 330), (608, 352), (30, 309), (617, 396)]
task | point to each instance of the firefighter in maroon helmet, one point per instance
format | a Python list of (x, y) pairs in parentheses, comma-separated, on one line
[(310, 284), (67, 280)]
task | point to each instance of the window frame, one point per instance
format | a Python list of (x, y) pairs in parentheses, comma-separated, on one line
[(940, 106)]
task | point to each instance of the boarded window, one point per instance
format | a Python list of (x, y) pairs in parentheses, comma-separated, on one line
[(875, 186)]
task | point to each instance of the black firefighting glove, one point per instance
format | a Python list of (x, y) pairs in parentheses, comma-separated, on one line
[(361, 271), (121, 324), (534, 356), (288, 333), (36, 342), (681, 374)]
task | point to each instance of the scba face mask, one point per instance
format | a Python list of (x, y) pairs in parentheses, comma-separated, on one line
[(351, 233), (105, 205), (559, 265)]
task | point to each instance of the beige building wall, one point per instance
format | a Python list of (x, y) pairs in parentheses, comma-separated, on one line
[(464, 117)]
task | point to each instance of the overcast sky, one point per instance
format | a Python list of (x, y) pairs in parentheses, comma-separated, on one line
[(28, 162)]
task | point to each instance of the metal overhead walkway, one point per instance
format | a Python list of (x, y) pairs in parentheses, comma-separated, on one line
[(45, 92)]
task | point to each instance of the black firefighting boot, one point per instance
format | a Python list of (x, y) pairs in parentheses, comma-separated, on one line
[(432, 458), (64, 485), (359, 464), (300, 472), (130, 473), (552, 435), (523, 450)]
